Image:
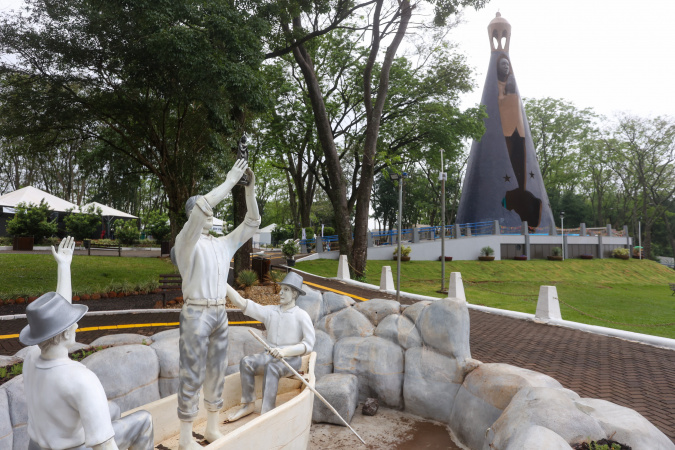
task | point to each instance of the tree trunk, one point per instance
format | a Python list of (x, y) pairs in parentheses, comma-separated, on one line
[(242, 258), (670, 232)]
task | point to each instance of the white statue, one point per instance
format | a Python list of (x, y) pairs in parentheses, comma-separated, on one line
[(204, 262), (67, 406), (290, 333)]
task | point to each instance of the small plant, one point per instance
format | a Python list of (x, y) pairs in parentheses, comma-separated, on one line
[(556, 251), (290, 249), (405, 251), (126, 231), (276, 277), (620, 253), (157, 225), (247, 278), (486, 251)]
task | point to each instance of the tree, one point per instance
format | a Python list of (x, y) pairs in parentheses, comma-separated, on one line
[(167, 85), (32, 220), (642, 155), (157, 225), (559, 131), (84, 224)]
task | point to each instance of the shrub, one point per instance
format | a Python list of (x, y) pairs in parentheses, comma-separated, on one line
[(157, 225), (32, 220), (620, 252), (486, 251), (84, 224), (328, 231), (247, 278), (556, 251), (126, 231), (289, 249), (282, 233), (405, 251)]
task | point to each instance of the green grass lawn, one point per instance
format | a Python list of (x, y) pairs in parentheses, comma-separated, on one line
[(29, 274), (612, 290)]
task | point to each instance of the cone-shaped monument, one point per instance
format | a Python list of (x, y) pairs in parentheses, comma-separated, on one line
[(503, 181)]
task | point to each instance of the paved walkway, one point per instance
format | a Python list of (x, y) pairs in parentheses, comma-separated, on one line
[(635, 375)]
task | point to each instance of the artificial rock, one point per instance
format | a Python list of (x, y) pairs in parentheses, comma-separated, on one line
[(113, 340), (333, 302), (18, 412), (129, 374), (471, 417), (340, 390), (240, 344), (167, 355), (444, 326), (323, 346), (312, 303), (413, 311), (431, 383), (377, 362), (399, 330), (346, 323), (378, 308), (5, 422), (535, 438)]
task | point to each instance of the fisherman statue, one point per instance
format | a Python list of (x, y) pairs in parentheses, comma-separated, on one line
[(290, 334), (204, 263), (67, 406)]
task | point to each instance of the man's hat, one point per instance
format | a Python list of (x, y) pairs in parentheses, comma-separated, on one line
[(294, 281), (48, 316)]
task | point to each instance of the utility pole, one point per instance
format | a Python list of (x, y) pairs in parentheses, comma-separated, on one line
[(443, 177)]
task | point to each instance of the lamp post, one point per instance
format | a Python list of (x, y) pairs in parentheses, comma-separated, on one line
[(640, 237), (562, 228), (399, 178), (443, 176)]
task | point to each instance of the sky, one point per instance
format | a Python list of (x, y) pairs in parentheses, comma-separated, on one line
[(610, 55)]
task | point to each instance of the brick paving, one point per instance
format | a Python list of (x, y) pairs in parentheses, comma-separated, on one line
[(634, 375)]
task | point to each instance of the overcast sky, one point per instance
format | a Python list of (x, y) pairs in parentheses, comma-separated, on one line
[(611, 55)]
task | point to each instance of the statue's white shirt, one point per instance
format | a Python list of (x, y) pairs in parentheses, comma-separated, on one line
[(284, 328), (204, 260), (67, 406)]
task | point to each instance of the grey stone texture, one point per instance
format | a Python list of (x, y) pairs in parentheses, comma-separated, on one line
[(346, 323), (311, 302), (113, 340), (413, 311), (5, 422), (399, 330), (18, 412), (498, 383), (470, 418), (377, 362), (431, 383), (444, 326), (167, 355), (76, 347), (168, 334), (323, 346), (370, 407), (240, 344), (333, 302), (378, 308), (341, 390), (555, 409), (535, 438), (625, 425), (129, 374)]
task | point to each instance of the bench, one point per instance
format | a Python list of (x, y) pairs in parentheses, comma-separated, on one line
[(169, 282), (105, 247), (672, 288)]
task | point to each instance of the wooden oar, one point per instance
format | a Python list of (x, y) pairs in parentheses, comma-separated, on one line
[(319, 396)]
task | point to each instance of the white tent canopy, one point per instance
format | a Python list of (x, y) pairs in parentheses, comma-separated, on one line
[(107, 211), (29, 194)]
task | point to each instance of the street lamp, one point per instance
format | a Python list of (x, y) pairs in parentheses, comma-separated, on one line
[(399, 178), (442, 176), (562, 228)]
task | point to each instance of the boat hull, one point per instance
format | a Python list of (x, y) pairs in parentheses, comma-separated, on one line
[(285, 427)]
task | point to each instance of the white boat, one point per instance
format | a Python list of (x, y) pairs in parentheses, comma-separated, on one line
[(285, 427)]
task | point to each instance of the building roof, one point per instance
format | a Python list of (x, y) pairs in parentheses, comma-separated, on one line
[(30, 194), (107, 211)]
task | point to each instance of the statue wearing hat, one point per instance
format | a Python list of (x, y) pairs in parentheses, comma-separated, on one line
[(204, 263), (67, 406), (290, 333)]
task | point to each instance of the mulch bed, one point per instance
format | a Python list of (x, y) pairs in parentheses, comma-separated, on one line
[(147, 301), (613, 445)]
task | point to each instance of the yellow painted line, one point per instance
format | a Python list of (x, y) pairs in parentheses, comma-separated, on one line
[(245, 322), (336, 291), (9, 336)]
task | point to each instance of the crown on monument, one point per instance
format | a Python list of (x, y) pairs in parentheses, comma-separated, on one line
[(499, 32)]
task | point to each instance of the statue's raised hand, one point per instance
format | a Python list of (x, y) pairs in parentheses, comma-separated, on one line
[(64, 255), (250, 187), (234, 175)]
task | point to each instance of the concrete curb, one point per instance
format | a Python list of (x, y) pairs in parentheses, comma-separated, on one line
[(117, 313)]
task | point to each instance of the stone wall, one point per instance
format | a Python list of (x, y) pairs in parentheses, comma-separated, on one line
[(415, 358)]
